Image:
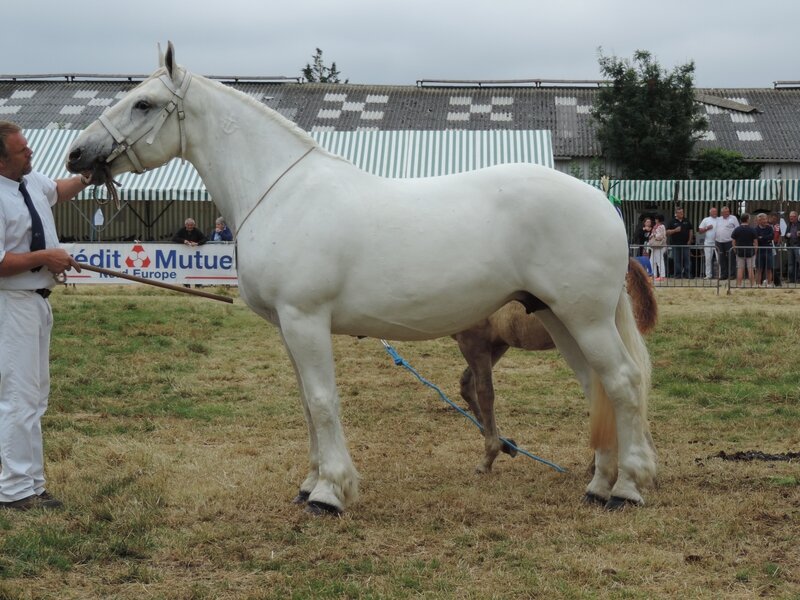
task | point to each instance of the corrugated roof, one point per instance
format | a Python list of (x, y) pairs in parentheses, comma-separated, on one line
[(770, 133)]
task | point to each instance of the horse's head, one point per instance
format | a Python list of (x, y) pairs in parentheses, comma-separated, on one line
[(142, 131)]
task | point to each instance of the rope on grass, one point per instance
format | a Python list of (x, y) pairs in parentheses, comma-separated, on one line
[(401, 362)]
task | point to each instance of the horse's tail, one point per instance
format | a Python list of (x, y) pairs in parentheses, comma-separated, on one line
[(642, 296), (603, 427)]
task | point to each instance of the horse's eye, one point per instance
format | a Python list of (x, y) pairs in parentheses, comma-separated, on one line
[(142, 105)]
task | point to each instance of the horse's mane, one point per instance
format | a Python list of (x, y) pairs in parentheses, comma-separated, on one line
[(269, 113)]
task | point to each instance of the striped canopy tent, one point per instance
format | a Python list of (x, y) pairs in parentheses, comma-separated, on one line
[(766, 190), (385, 153), (429, 153)]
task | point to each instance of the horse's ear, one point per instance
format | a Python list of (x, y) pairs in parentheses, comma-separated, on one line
[(160, 56), (169, 60)]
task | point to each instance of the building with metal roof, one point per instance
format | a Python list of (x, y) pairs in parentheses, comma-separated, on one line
[(761, 124), (427, 129)]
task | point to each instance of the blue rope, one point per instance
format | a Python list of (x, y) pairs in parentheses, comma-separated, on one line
[(401, 362)]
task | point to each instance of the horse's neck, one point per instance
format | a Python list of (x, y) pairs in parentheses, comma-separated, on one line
[(238, 147)]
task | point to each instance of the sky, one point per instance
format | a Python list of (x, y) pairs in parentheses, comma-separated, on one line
[(733, 43)]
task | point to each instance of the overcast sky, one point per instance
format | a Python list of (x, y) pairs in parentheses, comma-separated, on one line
[(734, 43)]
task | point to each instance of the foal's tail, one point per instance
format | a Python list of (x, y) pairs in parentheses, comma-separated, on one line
[(642, 296), (603, 428)]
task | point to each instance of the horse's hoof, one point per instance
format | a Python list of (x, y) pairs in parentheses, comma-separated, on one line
[(508, 448), (317, 509), (616, 503), (301, 498), (594, 499)]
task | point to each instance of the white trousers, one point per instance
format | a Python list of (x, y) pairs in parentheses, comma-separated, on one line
[(709, 252), (657, 261), (25, 324)]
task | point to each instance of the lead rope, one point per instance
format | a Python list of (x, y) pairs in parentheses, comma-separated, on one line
[(401, 362)]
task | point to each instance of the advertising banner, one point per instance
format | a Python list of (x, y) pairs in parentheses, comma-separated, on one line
[(210, 264)]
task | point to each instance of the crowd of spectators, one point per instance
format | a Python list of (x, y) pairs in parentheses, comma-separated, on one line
[(761, 251)]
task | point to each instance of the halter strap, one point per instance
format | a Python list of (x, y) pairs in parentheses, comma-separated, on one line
[(269, 189), (126, 143)]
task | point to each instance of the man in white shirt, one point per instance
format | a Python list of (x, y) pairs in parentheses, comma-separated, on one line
[(30, 256), (724, 226), (707, 227)]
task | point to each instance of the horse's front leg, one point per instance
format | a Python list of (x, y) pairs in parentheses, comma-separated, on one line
[(333, 481), (313, 450)]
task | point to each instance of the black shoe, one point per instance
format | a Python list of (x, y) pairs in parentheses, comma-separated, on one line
[(49, 501), (33, 502)]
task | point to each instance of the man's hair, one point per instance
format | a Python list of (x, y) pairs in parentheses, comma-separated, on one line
[(7, 128), (745, 218)]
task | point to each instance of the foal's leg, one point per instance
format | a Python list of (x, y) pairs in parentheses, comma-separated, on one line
[(478, 352), (308, 340), (468, 344)]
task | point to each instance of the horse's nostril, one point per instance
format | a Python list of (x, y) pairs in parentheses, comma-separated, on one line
[(75, 154)]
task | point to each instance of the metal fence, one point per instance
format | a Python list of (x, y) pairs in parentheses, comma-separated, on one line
[(785, 271)]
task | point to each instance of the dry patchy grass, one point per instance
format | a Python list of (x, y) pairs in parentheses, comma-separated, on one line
[(176, 440)]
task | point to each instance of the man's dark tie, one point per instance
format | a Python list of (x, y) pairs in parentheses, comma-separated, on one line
[(37, 230)]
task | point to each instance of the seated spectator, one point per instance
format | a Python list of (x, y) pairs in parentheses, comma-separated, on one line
[(189, 234), (221, 232)]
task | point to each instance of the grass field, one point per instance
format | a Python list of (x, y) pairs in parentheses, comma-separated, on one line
[(175, 438)]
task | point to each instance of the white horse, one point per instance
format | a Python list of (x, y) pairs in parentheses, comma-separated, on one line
[(324, 248)]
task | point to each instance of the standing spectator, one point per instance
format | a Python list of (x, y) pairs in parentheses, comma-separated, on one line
[(681, 235), (221, 232), (189, 234), (658, 244), (725, 225), (778, 227), (642, 235), (764, 237), (792, 237), (707, 228), (745, 243)]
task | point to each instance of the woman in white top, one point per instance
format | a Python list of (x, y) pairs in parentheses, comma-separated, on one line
[(658, 244)]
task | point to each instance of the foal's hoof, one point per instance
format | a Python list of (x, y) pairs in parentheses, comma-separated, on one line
[(594, 499), (317, 509), (301, 498), (617, 503), (508, 448)]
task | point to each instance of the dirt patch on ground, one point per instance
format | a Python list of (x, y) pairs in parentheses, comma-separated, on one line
[(748, 455)]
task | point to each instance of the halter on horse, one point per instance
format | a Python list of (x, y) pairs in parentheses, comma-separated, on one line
[(326, 248)]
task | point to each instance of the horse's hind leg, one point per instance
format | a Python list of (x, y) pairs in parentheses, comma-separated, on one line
[(605, 460), (617, 354), (478, 390)]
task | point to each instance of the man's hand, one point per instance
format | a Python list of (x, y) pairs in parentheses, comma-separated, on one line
[(58, 260)]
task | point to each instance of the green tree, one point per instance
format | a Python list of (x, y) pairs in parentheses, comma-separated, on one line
[(718, 163), (317, 72), (648, 121)]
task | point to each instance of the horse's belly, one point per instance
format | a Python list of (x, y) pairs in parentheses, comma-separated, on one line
[(415, 315)]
